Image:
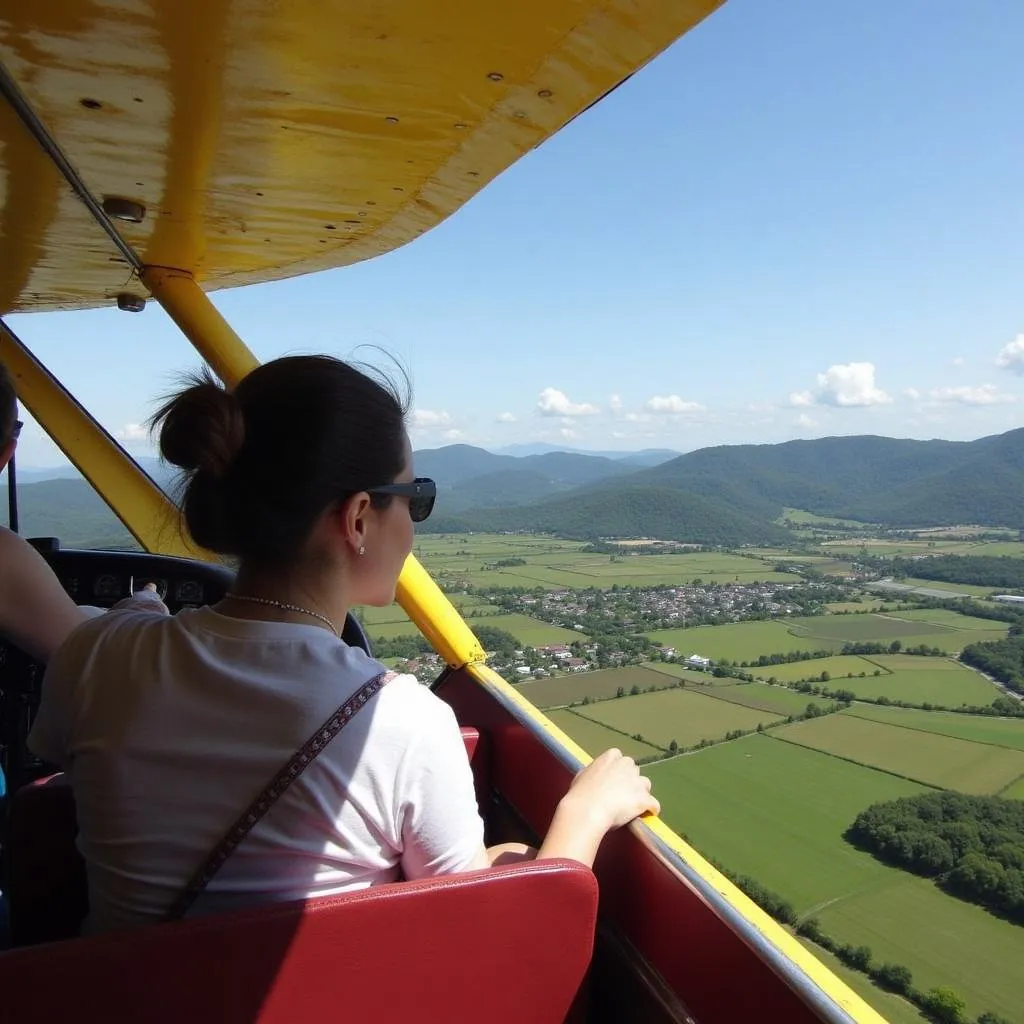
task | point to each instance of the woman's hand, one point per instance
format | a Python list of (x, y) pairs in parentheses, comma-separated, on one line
[(613, 790)]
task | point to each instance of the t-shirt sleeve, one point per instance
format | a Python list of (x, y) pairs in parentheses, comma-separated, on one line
[(440, 826)]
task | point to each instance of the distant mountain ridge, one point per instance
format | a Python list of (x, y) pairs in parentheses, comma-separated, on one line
[(728, 495)]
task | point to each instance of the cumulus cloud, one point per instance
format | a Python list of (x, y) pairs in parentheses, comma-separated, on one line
[(845, 385), (505, 417), (133, 433), (985, 394), (671, 405), (801, 399), (615, 403), (429, 419), (912, 393), (805, 422), (568, 433), (453, 435), (1011, 356), (553, 402)]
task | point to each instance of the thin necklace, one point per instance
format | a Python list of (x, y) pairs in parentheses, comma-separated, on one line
[(288, 608)]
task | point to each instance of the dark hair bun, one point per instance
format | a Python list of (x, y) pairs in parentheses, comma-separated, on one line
[(202, 429)]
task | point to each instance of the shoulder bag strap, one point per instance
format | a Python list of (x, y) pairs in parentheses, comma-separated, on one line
[(298, 763)]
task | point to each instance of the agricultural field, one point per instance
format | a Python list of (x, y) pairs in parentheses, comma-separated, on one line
[(1014, 792), (562, 690), (838, 667), (596, 738), (777, 812), (1000, 732), (681, 715), (967, 589), (738, 641), (855, 606), (529, 631), (458, 559), (926, 757), (688, 675), (761, 696)]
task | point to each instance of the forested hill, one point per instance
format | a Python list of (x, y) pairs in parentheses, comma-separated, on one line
[(624, 512), (872, 479)]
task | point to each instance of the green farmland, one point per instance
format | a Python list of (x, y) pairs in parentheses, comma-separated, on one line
[(738, 641), (1001, 732), (562, 690), (596, 738), (776, 699), (777, 812), (1014, 792), (794, 671), (681, 715), (925, 757), (554, 564)]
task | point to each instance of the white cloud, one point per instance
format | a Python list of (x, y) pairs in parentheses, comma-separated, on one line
[(845, 385), (912, 393), (505, 417), (637, 417), (958, 361), (806, 422), (615, 403), (985, 394), (553, 402), (672, 405), (453, 435), (429, 419), (132, 433), (1011, 355), (567, 433)]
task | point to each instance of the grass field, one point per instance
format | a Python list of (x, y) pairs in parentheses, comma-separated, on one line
[(689, 675), (904, 677), (681, 715), (969, 589), (1002, 732), (562, 690), (1014, 792), (460, 559), (776, 699), (595, 738), (738, 641), (777, 812), (837, 667), (853, 628), (945, 617), (530, 631), (926, 757)]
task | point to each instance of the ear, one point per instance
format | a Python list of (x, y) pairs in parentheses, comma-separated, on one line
[(7, 453), (351, 520)]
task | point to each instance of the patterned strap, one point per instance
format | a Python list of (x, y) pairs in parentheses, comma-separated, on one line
[(298, 763)]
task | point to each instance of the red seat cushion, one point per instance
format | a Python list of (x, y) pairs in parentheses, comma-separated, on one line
[(508, 945)]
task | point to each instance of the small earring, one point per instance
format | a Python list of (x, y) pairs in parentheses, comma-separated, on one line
[(362, 550)]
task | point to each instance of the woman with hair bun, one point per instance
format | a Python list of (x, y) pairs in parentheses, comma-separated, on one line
[(168, 727)]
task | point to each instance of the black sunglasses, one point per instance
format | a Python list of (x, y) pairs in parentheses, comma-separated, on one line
[(421, 492), (16, 433)]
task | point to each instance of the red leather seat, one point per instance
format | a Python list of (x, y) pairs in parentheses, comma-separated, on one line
[(506, 946)]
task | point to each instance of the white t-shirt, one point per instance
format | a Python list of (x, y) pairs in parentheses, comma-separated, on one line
[(169, 727)]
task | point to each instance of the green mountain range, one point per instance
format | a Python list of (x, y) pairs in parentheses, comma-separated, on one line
[(728, 495)]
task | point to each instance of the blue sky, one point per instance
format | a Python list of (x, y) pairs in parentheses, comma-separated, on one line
[(804, 219)]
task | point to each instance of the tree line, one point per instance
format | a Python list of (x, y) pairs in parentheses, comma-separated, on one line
[(973, 846), (1001, 659)]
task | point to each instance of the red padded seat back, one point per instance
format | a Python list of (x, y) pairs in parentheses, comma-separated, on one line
[(506, 946), (44, 872)]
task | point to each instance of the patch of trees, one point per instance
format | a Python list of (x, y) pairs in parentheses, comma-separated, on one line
[(896, 647), (1002, 659), (981, 570), (399, 646), (494, 639), (972, 845)]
